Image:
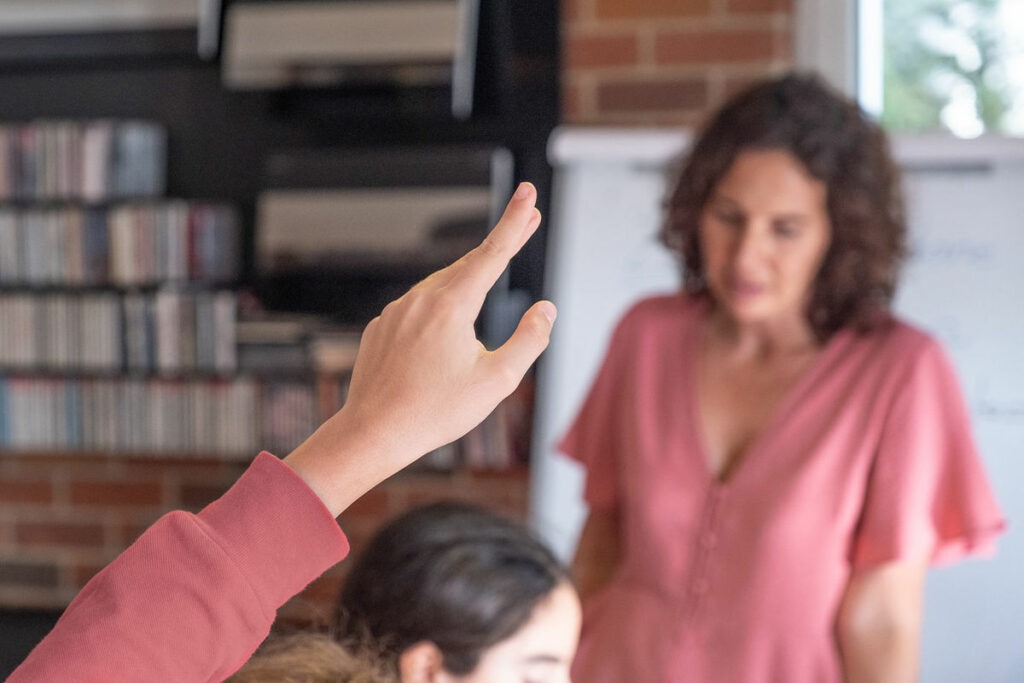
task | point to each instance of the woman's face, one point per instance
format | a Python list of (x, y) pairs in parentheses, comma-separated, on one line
[(763, 235), (539, 652)]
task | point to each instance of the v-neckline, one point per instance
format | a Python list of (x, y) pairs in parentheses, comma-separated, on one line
[(772, 424)]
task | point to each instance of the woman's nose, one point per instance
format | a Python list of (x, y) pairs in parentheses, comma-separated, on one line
[(749, 248)]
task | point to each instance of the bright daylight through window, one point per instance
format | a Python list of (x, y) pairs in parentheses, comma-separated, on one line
[(943, 65)]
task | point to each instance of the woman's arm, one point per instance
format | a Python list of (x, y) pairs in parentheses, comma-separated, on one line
[(879, 623), (597, 553)]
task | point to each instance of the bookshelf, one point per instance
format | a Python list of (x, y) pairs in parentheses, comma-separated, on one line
[(121, 309), (66, 511), (118, 303)]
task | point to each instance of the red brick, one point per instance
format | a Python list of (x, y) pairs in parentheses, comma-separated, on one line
[(585, 51), (717, 46), (570, 10), (759, 6), (324, 589), (373, 503), (198, 496), (515, 476), (315, 607), (509, 503), (83, 572), (126, 531), (484, 487), (651, 9), (47, 467), (359, 531), (651, 94), (47, 458), (59, 534), (205, 471), (300, 615), (419, 498), (572, 102), (13, 491), (735, 84), (115, 493)]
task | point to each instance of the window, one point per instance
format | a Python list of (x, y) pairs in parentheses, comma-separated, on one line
[(923, 65)]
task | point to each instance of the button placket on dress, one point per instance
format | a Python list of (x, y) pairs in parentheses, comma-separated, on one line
[(700, 581)]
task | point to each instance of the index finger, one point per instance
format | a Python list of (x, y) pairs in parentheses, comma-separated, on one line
[(478, 270)]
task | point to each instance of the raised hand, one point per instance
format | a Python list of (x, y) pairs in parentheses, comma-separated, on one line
[(422, 379)]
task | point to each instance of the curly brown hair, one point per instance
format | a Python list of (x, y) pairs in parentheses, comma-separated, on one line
[(839, 146)]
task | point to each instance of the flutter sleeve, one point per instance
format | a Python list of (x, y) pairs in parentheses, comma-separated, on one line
[(928, 495), (594, 438)]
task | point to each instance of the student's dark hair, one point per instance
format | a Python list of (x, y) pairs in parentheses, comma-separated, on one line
[(450, 573), (839, 146)]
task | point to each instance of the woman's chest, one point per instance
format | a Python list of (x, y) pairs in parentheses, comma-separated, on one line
[(804, 470), (735, 403)]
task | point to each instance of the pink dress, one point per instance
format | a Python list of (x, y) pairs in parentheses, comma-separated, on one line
[(868, 459), (195, 595)]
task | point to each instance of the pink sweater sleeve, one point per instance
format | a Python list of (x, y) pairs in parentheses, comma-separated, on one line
[(195, 595)]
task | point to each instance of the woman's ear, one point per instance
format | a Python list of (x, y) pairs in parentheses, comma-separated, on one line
[(421, 663)]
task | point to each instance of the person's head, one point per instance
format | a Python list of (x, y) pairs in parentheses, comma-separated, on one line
[(451, 592), (309, 657), (790, 199)]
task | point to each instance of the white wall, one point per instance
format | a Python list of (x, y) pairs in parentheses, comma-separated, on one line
[(602, 255)]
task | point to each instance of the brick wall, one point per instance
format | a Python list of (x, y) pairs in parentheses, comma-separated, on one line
[(666, 62), (62, 518)]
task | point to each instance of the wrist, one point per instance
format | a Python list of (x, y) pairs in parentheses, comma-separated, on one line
[(343, 459)]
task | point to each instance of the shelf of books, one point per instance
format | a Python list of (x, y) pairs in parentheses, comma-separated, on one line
[(118, 304), (125, 329), (306, 344)]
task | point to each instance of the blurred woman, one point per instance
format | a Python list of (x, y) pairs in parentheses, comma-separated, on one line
[(773, 459)]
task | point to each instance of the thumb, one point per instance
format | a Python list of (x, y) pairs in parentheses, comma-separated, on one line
[(531, 337)]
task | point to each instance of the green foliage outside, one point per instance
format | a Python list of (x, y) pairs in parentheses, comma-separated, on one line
[(945, 55)]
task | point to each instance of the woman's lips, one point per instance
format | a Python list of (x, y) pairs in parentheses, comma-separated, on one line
[(746, 289)]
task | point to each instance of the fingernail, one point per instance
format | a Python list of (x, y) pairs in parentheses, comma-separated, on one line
[(549, 311), (523, 191)]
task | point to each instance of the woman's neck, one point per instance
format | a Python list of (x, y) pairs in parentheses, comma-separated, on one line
[(760, 341)]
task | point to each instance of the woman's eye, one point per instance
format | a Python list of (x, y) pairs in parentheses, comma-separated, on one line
[(730, 219), (786, 230)]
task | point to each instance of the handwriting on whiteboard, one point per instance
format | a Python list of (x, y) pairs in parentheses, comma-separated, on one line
[(954, 252)]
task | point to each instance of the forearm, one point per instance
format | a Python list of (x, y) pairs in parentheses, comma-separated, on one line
[(597, 553), (878, 627), (890, 653)]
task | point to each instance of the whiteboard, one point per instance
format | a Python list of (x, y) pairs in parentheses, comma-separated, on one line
[(964, 283)]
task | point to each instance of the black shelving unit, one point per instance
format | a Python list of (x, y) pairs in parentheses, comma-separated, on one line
[(220, 140)]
